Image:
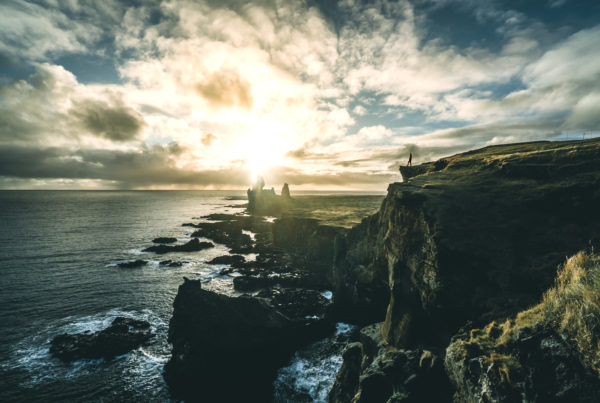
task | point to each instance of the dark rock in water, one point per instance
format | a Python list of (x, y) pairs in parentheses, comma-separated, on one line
[(297, 303), (171, 263), (347, 378), (164, 240), (229, 233), (229, 349), (123, 335), (192, 246), (232, 260), (297, 279), (189, 224), (133, 264)]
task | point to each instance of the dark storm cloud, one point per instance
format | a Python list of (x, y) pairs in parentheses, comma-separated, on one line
[(226, 89), (115, 122), (152, 166)]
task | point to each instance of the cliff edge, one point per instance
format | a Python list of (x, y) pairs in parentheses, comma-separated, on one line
[(461, 242)]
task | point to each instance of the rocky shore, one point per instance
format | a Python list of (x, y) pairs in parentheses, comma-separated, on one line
[(442, 279)]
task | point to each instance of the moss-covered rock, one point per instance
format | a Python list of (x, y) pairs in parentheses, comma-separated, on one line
[(549, 353)]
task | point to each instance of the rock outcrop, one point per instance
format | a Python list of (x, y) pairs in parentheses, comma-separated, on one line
[(464, 241), (549, 353), (122, 336), (229, 349), (475, 236), (265, 201)]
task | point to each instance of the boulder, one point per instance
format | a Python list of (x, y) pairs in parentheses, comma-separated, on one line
[(122, 336)]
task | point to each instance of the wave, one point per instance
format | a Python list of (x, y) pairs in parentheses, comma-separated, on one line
[(312, 370), (32, 354)]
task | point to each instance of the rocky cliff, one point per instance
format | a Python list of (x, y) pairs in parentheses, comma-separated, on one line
[(466, 240)]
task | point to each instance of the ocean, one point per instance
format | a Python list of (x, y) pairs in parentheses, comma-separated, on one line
[(59, 252)]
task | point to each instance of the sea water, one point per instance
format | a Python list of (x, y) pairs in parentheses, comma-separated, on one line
[(59, 252)]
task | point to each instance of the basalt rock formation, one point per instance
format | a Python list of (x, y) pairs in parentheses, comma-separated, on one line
[(265, 201), (229, 349), (466, 240), (123, 335)]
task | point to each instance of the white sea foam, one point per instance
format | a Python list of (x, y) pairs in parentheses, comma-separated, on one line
[(313, 369), (32, 354), (327, 294)]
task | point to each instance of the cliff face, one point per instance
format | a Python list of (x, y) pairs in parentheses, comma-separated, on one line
[(476, 236)]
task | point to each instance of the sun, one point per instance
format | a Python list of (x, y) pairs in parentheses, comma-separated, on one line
[(261, 151)]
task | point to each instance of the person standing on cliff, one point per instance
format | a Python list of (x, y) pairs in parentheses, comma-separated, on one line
[(409, 160)]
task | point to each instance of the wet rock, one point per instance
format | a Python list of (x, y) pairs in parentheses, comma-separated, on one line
[(346, 382), (298, 304), (228, 233), (171, 263), (192, 246), (232, 260), (132, 264), (164, 240), (123, 335), (297, 279), (229, 349)]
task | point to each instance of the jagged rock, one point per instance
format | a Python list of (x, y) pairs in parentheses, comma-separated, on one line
[(171, 263), (123, 335), (534, 367), (475, 236), (229, 349), (232, 260), (373, 372), (285, 191), (164, 240), (265, 201), (297, 279), (229, 233), (347, 378), (298, 304), (191, 246), (132, 264), (548, 353)]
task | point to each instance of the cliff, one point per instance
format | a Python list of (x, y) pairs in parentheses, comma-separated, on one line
[(475, 236), (464, 241)]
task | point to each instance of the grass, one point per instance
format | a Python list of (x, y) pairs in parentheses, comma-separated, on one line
[(571, 308)]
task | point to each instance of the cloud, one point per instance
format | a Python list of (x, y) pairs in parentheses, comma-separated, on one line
[(314, 93), (115, 122), (226, 89)]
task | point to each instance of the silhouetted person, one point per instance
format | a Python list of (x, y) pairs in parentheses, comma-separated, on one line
[(409, 160)]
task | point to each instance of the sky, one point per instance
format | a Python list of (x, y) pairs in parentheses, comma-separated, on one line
[(321, 94)]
